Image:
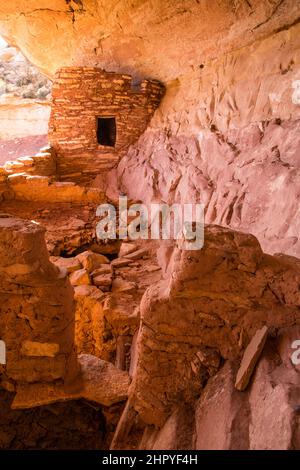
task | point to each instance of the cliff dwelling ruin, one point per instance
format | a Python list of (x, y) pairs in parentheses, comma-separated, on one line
[(141, 344), (95, 117)]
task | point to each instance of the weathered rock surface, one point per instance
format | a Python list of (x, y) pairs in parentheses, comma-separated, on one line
[(211, 301), (91, 261), (70, 264), (219, 131), (264, 417), (127, 36), (80, 277), (221, 414), (92, 334), (103, 281)]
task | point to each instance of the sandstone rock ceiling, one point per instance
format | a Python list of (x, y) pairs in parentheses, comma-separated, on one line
[(162, 39)]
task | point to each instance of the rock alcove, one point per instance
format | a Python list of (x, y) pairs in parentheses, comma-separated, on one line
[(149, 345)]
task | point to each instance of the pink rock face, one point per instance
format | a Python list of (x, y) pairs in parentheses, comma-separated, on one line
[(222, 414), (247, 179), (264, 417), (227, 135)]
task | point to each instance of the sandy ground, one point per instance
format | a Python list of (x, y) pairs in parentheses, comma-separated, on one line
[(12, 149)]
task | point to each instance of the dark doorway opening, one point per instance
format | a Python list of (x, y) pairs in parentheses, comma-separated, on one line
[(106, 131)]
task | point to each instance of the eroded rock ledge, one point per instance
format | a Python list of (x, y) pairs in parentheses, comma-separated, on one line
[(195, 324)]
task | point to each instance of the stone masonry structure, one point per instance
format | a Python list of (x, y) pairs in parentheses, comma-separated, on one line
[(37, 327), (37, 308), (96, 116)]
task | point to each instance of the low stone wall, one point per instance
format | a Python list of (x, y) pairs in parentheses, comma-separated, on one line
[(23, 187), (34, 179), (42, 164)]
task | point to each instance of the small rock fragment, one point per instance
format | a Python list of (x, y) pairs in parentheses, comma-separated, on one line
[(103, 269), (137, 254), (103, 280), (70, 264), (152, 268), (87, 291), (250, 358), (91, 261), (127, 248)]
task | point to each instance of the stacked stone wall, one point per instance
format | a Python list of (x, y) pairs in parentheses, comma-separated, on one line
[(80, 96)]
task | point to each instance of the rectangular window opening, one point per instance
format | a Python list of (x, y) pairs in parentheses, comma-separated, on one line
[(106, 131)]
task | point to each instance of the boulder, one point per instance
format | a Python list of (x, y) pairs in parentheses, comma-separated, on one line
[(79, 277), (70, 264), (120, 263), (99, 382), (103, 269), (217, 297), (103, 281), (127, 248), (91, 261)]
